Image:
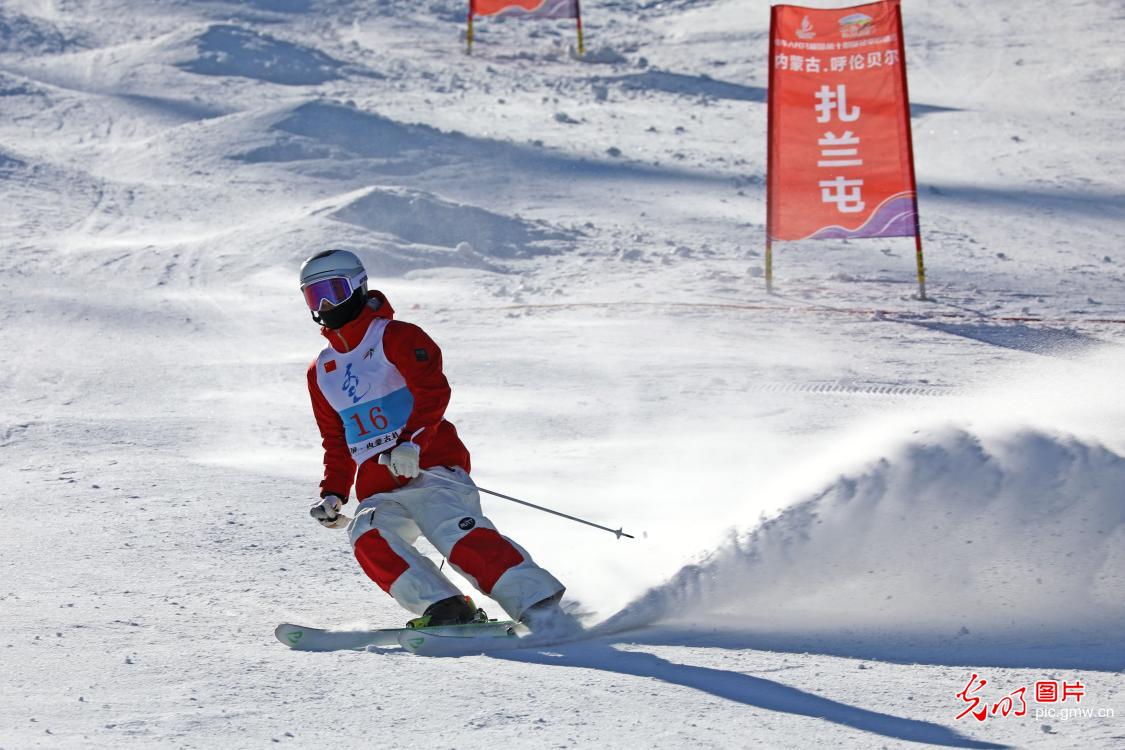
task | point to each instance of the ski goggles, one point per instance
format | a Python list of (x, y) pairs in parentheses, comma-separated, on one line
[(334, 291)]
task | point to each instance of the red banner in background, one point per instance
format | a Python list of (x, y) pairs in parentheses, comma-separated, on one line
[(525, 8), (840, 161)]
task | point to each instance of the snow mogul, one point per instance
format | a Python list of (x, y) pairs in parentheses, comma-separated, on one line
[(379, 396)]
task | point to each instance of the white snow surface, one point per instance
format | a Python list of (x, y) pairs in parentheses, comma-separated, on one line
[(846, 500)]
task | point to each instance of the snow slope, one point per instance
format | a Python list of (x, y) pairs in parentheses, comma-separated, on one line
[(847, 501)]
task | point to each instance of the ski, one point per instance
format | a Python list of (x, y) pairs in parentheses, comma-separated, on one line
[(429, 643), (302, 638), (455, 644)]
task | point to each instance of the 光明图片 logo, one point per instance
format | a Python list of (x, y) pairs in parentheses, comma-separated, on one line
[(1045, 693)]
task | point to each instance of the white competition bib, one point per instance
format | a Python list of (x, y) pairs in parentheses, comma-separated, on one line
[(368, 392)]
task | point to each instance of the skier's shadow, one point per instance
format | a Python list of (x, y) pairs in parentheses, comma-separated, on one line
[(742, 688)]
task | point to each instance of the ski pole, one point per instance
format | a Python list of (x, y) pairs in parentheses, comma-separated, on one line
[(618, 532), (384, 459)]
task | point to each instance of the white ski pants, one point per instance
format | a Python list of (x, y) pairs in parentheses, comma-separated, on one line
[(386, 526)]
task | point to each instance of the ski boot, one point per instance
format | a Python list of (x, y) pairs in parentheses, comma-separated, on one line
[(456, 610)]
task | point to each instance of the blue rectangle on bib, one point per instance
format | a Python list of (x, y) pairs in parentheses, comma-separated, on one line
[(375, 419)]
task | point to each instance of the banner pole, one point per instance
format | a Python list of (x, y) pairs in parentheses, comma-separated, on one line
[(578, 24), (769, 264), (769, 154), (469, 33), (918, 256), (910, 155)]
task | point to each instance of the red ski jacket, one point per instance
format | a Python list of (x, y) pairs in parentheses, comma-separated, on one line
[(417, 358)]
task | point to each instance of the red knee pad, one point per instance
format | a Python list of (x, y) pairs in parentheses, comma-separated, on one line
[(484, 555), (381, 563)]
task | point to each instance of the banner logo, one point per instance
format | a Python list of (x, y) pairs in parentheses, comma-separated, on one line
[(857, 24)]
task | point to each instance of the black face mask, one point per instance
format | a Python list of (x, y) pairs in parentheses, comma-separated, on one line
[(343, 313)]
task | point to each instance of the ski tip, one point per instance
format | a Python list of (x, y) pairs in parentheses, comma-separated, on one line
[(288, 634)]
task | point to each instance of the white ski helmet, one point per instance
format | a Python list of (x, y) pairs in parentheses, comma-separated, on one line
[(334, 283)]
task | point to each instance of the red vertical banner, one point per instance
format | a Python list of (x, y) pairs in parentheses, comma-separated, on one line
[(525, 8), (549, 9), (840, 157)]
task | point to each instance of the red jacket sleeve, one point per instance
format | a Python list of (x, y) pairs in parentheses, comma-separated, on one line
[(339, 468), (418, 358)]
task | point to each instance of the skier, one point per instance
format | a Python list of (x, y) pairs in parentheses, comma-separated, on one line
[(379, 397)]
